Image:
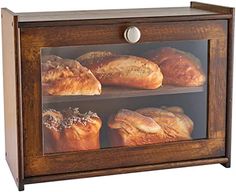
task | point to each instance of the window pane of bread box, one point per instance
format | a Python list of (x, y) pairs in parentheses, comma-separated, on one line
[(101, 96)]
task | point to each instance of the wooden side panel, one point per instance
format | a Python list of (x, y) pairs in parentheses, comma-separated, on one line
[(230, 62), (210, 7), (229, 59), (11, 96), (217, 88)]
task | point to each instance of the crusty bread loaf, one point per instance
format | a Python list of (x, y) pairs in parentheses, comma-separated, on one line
[(131, 121), (129, 128), (55, 74), (176, 125), (48, 61), (69, 77), (70, 130), (148, 126), (178, 67), (49, 58), (82, 82), (123, 70)]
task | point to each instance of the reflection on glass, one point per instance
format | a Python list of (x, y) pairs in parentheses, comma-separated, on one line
[(101, 96)]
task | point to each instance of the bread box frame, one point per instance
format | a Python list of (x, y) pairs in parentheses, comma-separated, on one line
[(25, 33)]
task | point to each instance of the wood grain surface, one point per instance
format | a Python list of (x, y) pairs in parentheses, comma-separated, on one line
[(75, 175)]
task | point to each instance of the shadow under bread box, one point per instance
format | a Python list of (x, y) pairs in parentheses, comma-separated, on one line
[(92, 93)]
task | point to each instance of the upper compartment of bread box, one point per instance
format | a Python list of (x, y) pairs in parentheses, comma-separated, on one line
[(196, 11)]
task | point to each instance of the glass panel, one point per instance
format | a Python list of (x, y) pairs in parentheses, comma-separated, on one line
[(100, 96)]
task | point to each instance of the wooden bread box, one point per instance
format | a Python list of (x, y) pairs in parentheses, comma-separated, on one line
[(90, 93)]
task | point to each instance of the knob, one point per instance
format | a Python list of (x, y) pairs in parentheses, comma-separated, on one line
[(132, 34)]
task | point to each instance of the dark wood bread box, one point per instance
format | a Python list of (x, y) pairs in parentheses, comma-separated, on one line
[(91, 93)]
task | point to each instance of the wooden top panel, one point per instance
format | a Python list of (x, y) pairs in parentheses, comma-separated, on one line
[(111, 14)]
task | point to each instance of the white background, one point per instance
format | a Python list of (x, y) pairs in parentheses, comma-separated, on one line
[(199, 178)]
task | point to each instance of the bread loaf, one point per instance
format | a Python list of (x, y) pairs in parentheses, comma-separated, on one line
[(70, 130), (149, 126), (178, 67), (48, 61), (175, 124), (68, 77), (123, 70)]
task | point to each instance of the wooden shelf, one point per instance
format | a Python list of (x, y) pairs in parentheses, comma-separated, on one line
[(117, 92)]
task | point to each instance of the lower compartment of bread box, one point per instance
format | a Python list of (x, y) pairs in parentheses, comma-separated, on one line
[(193, 104)]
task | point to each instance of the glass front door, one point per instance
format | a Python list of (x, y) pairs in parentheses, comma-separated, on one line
[(102, 96)]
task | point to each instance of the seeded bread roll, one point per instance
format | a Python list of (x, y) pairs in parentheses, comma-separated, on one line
[(178, 67), (149, 126), (123, 70), (70, 130)]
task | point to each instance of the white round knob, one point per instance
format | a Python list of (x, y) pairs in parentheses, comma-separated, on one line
[(132, 34)]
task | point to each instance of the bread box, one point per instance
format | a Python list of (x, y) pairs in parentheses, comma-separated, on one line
[(91, 93)]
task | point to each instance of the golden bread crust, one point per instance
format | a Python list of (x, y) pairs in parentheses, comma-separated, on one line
[(173, 125), (82, 82), (69, 77), (73, 131), (124, 70), (178, 67)]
